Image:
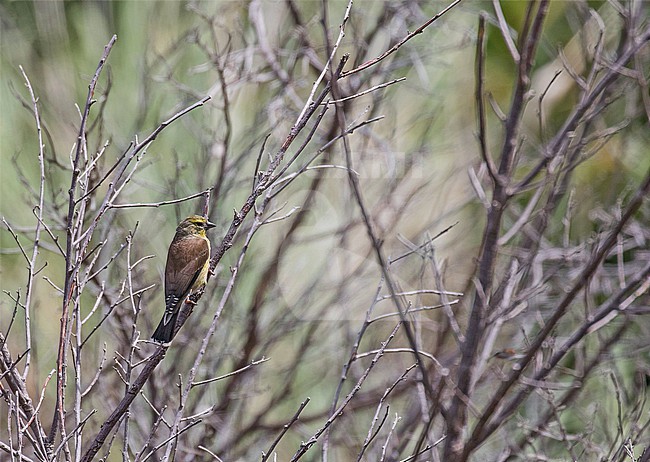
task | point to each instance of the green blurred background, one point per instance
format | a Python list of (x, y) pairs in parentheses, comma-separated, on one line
[(413, 164)]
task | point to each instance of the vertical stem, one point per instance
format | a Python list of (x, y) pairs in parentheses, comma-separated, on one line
[(488, 256), (70, 259), (77, 383), (37, 232)]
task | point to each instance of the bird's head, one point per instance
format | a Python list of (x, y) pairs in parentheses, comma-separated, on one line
[(196, 225)]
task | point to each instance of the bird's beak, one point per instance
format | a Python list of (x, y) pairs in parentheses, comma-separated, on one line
[(209, 224)]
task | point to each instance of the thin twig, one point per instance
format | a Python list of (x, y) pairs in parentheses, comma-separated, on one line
[(285, 429), (479, 95), (159, 204), (399, 44), (230, 374)]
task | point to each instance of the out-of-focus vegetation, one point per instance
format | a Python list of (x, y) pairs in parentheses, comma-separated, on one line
[(306, 291)]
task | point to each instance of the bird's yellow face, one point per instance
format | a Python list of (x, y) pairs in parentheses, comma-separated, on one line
[(194, 225)]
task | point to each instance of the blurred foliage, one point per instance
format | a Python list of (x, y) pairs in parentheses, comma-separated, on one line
[(413, 165)]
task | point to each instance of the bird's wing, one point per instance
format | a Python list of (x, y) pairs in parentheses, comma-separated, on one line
[(185, 261)]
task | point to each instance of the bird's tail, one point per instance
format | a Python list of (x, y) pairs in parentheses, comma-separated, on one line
[(165, 331)]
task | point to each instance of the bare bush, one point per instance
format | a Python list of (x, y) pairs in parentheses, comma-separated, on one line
[(393, 279)]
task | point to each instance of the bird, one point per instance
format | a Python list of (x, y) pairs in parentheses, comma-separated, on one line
[(186, 271)]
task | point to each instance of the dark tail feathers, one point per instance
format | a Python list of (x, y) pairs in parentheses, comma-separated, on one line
[(165, 332)]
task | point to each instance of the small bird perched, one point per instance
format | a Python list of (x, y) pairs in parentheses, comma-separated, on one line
[(188, 260)]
